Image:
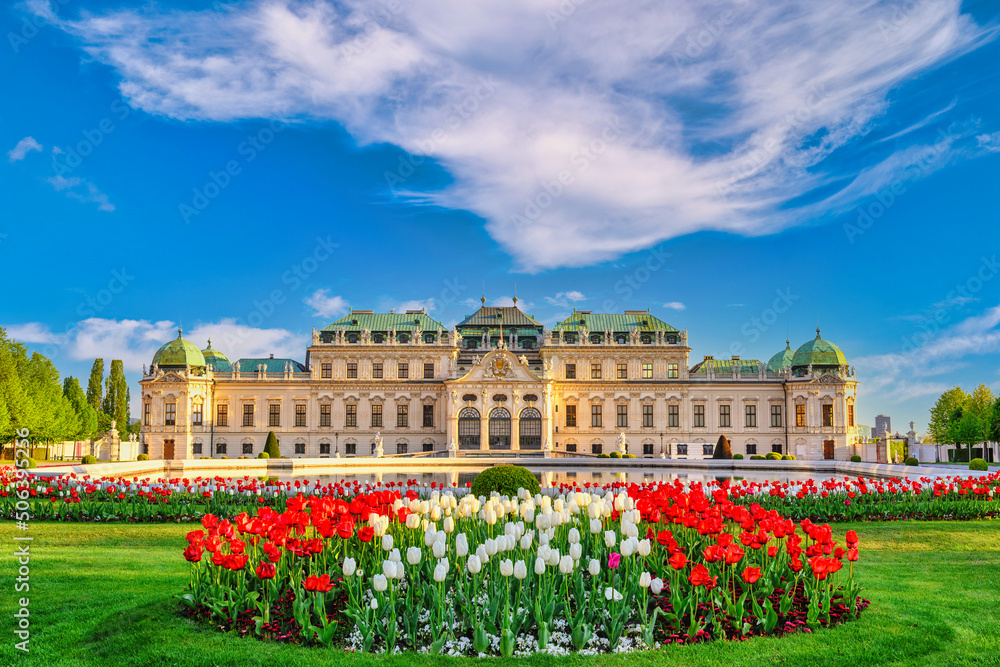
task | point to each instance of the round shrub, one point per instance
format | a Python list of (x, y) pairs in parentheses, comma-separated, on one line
[(89, 459), (788, 457), (978, 464), (32, 463), (602, 456), (616, 455), (855, 459), (224, 457), (628, 456), (911, 461), (263, 455), (505, 480), (738, 456), (773, 456), (756, 457)]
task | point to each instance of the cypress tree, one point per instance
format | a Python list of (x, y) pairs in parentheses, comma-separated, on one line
[(116, 396), (722, 449), (95, 384), (85, 413), (271, 446)]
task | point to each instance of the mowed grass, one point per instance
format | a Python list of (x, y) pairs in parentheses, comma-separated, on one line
[(103, 595)]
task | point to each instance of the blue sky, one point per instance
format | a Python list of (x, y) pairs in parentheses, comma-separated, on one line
[(253, 169)]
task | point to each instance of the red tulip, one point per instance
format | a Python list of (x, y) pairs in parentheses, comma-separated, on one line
[(751, 575), (852, 538), (193, 553), (678, 560), (852, 554), (265, 570), (366, 534), (700, 576), (320, 583)]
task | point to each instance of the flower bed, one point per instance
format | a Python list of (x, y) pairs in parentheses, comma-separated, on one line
[(393, 570)]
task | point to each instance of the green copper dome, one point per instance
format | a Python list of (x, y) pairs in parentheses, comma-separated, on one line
[(179, 352), (818, 352), (781, 360), (217, 360)]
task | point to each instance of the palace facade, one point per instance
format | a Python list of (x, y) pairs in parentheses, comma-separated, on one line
[(499, 381)]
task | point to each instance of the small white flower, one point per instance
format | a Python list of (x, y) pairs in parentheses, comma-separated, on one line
[(438, 549), (596, 526), (576, 550), (440, 572), (566, 564), (610, 538), (574, 536), (350, 566), (374, 604)]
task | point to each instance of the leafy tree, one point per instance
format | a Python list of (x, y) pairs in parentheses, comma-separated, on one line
[(116, 396), (85, 413), (95, 385), (271, 446), (943, 412), (966, 429), (981, 404)]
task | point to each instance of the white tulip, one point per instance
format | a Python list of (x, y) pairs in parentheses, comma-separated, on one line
[(594, 568), (430, 536), (610, 538), (474, 564), (491, 547), (626, 547), (449, 524), (655, 586), (380, 583), (350, 566), (412, 521), (610, 593), (389, 569), (596, 526), (400, 570), (506, 567), (482, 555), (413, 555), (566, 565), (645, 547), (576, 551), (539, 566), (387, 542), (645, 580), (394, 556), (490, 516), (440, 572), (574, 536), (373, 604), (520, 570), (438, 549), (461, 545), (526, 542)]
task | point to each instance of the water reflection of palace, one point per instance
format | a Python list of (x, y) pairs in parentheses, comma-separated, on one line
[(499, 382)]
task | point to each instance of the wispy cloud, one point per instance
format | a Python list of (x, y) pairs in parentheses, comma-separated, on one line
[(34, 333), (23, 147), (674, 305), (563, 299), (990, 142), (577, 139), (327, 306), (81, 190)]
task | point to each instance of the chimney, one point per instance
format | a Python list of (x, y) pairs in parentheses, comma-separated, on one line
[(272, 355), (736, 357)]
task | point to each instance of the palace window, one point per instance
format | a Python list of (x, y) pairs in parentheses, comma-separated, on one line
[(352, 416), (850, 415), (622, 412), (751, 416), (751, 449), (570, 415), (274, 414), (196, 448), (647, 416), (800, 414), (595, 416), (570, 446), (222, 415), (468, 429), (827, 414), (428, 446), (400, 447), (402, 416), (776, 448), (147, 410), (530, 429), (300, 415), (622, 371), (352, 370), (595, 371), (351, 449), (673, 371), (699, 416), (570, 371), (776, 420), (326, 370), (220, 448), (248, 448), (300, 448), (379, 338), (706, 450), (647, 449), (682, 449), (196, 414), (647, 371), (324, 448), (428, 416), (352, 338), (170, 414), (376, 416), (429, 371), (403, 371), (248, 414), (597, 448), (324, 415), (725, 417), (377, 370), (673, 416)]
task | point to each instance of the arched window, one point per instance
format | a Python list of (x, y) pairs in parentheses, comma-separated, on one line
[(530, 429), (499, 428), (468, 428)]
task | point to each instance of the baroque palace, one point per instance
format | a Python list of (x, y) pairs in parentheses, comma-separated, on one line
[(499, 382)]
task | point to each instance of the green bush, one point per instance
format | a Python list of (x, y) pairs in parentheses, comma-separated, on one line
[(855, 459), (223, 457), (788, 457), (773, 456), (616, 454), (263, 455), (32, 463), (628, 456), (911, 461), (142, 457), (738, 456), (505, 480), (271, 446), (89, 459), (602, 456), (756, 457), (978, 464)]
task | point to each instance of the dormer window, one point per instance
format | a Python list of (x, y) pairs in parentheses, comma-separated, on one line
[(353, 338), (379, 338)]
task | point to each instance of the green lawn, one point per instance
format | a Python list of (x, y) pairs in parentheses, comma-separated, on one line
[(102, 595)]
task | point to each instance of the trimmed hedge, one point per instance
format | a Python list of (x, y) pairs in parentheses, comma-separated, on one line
[(738, 456), (628, 456), (773, 456), (505, 480), (722, 450), (32, 463), (142, 457), (602, 456), (271, 446), (756, 457), (263, 455), (978, 464), (788, 457), (89, 459), (855, 459), (615, 454), (911, 461)]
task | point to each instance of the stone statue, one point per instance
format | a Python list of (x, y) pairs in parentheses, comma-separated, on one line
[(475, 360), (622, 443), (452, 449), (379, 452), (156, 368), (236, 367), (523, 359), (112, 425), (144, 370)]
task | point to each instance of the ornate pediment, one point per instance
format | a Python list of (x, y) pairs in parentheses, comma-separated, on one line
[(499, 366), (170, 377), (828, 378)]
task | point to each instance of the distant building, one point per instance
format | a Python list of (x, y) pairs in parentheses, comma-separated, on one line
[(883, 426)]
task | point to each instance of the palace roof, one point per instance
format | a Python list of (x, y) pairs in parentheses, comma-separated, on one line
[(271, 365), (179, 352), (358, 320), (726, 366), (818, 352), (616, 322), (500, 316)]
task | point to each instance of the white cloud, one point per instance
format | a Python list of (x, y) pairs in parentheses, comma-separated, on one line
[(81, 190), (991, 142), (34, 333), (674, 305), (575, 139), (23, 147), (427, 305), (508, 301), (325, 305), (563, 299)]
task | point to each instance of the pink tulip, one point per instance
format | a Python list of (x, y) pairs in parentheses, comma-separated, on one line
[(614, 559)]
